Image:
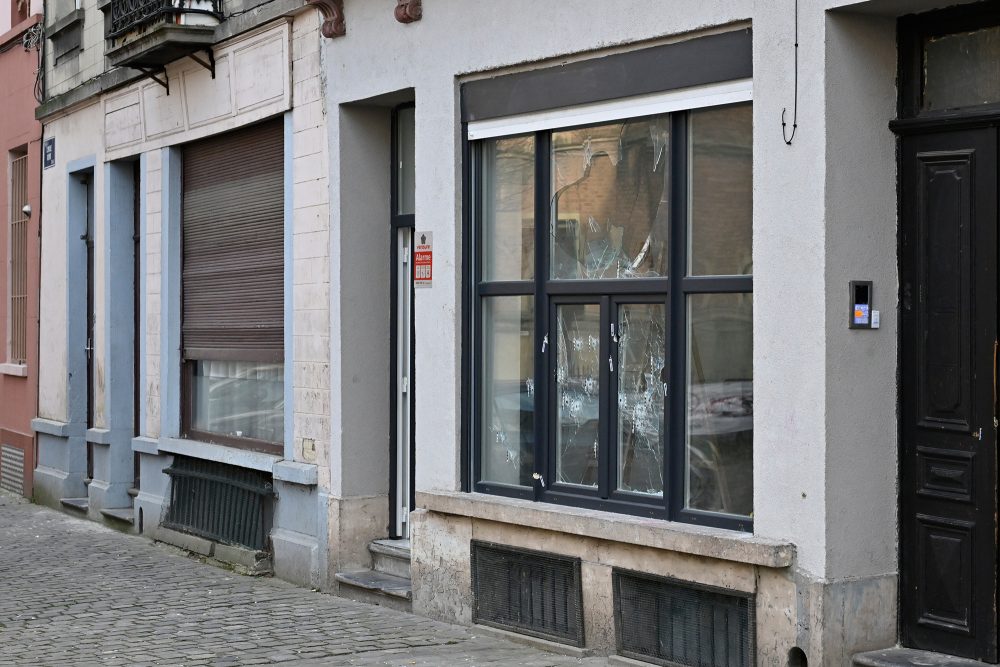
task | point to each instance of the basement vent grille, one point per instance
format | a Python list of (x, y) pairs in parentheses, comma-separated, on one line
[(529, 592), (668, 622), (12, 469), (220, 502)]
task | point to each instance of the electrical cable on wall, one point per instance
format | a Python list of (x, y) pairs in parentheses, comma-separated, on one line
[(795, 107)]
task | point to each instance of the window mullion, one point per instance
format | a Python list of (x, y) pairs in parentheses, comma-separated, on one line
[(542, 349), (608, 399), (676, 318)]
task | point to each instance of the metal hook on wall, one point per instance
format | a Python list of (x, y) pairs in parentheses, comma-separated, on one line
[(795, 108)]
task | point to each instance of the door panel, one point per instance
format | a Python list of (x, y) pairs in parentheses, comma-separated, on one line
[(948, 256), (403, 399)]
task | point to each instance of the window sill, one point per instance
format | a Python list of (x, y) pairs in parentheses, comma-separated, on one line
[(14, 370), (668, 535), (219, 453)]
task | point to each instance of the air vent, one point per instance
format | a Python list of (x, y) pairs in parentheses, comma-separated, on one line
[(529, 592), (12, 469), (668, 622), (220, 502)]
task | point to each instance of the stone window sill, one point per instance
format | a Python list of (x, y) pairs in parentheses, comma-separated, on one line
[(15, 370), (668, 535), (219, 453)]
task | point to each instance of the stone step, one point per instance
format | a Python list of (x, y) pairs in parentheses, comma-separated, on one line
[(373, 587), (908, 657), (78, 504), (391, 557), (125, 514)]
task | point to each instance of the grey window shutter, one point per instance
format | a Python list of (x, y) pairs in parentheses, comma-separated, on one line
[(233, 252)]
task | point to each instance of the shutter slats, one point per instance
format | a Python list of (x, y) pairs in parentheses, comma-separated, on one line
[(233, 246)]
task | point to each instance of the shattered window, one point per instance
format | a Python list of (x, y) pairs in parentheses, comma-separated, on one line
[(613, 262)]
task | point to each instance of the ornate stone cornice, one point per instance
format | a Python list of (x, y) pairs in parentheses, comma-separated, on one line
[(333, 17), (408, 11)]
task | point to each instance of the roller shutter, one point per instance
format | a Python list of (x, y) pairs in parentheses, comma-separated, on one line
[(233, 255)]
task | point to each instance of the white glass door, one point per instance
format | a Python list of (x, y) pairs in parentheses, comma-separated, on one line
[(404, 372)]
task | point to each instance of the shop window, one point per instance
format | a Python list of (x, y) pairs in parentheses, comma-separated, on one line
[(232, 332), (612, 326)]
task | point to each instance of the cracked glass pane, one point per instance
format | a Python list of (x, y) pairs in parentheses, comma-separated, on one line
[(578, 373), (721, 191), (610, 207), (508, 428), (720, 403), (508, 209), (641, 331)]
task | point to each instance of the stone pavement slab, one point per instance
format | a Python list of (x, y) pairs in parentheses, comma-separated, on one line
[(73, 592)]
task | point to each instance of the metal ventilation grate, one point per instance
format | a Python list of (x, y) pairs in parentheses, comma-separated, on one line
[(526, 591), (668, 622), (12, 469), (220, 502)]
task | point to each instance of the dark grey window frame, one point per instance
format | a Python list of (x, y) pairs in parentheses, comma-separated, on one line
[(712, 59)]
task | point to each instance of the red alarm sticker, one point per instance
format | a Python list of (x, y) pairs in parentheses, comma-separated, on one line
[(423, 260)]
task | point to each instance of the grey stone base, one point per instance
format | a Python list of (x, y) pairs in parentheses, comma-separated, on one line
[(242, 560), (828, 620), (51, 485), (296, 557), (535, 642)]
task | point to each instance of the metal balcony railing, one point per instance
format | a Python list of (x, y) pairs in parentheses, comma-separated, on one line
[(130, 15)]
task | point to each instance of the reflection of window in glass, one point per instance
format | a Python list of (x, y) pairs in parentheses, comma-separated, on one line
[(960, 70), (239, 399), (508, 211), (578, 376), (720, 403), (641, 391), (610, 201), (508, 428), (574, 365), (721, 192)]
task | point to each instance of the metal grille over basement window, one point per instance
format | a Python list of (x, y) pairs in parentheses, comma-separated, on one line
[(18, 260), (530, 592), (668, 622), (220, 502)]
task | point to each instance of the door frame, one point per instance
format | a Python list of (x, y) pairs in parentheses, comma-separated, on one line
[(396, 222), (912, 30)]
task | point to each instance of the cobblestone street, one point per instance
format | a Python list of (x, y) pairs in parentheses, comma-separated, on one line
[(73, 592)]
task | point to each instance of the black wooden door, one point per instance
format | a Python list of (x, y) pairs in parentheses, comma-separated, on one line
[(948, 266)]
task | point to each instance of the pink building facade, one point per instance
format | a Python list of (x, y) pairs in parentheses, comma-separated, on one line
[(20, 216)]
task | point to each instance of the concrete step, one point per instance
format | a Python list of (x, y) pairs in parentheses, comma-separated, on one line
[(125, 514), (391, 557), (908, 657), (78, 504), (373, 587)]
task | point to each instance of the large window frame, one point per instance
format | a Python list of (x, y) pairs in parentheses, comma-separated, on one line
[(269, 358), (672, 290)]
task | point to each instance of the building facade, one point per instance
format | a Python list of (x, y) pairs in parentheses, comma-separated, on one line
[(658, 330), (20, 202), (189, 181)]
